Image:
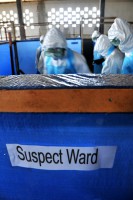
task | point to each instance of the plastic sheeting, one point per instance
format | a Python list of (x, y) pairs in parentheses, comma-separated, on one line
[(66, 81)]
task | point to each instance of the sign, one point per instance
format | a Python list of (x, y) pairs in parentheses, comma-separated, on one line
[(61, 158)]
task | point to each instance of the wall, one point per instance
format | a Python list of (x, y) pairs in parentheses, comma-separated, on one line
[(40, 13), (119, 9)]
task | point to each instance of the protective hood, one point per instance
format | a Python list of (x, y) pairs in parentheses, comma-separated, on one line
[(95, 35), (102, 45), (54, 39), (41, 39), (123, 31)]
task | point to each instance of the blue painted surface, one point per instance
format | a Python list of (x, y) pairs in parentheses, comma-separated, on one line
[(27, 55), (5, 62), (18, 183), (75, 44)]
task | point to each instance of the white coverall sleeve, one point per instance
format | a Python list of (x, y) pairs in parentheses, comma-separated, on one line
[(107, 67), (113, 63), (80, 63)]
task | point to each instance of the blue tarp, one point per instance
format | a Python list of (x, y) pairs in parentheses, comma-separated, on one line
[(5, 62), (67, 129), (64, 129)]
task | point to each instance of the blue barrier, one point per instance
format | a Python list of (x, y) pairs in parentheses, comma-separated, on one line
[(26, 55), (75, 44), (67, 130), (5, 62), (38, 110)]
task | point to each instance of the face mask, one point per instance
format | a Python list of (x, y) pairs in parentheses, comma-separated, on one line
[(94, 39), (55, 53), (115, 42)]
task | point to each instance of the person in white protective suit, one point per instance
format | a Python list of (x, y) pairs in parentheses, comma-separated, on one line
[(57, 58), (113, 56), (97, 58), (121, 34), (39, 50)]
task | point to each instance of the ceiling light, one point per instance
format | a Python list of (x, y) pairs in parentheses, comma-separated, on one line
[(17, 28), (77, 9), (57, 26), (65, 25), (4, 19), (31, 14), (15, 15), (50, 26), (32, 27), (3, 12), (16, 21), (86, 9), (53, 22), (11, 12), (27, 11), (61, 9), (94, 9), (98, 12), (49, 14), (49, 19), (73, 12), (73, 25), (31, 20), (61, 22), (53, 10)]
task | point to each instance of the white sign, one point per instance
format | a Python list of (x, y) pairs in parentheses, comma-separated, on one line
[(61, 158)]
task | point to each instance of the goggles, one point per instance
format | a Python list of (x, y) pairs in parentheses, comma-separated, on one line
[(94, 39), (55, 52), (115, 42)]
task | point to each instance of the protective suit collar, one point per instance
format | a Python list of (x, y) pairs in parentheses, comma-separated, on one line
[(54, 38), (122, 30)]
